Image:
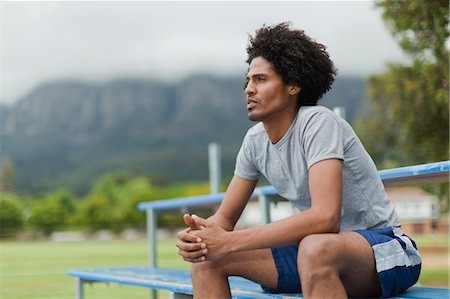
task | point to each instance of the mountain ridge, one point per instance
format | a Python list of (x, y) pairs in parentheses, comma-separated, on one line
[(67, 133)]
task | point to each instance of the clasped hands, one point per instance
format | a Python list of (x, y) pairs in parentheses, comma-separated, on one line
[(202, 240)]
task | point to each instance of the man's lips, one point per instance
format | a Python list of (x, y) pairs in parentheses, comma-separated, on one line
[(251, 103)]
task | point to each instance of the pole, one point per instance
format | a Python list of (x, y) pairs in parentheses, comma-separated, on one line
[(215, 177), (152, 254)]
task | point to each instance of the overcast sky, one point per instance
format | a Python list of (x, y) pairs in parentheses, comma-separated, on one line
[(100, 41)]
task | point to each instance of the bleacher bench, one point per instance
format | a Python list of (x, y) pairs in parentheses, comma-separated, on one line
[(178, 282)]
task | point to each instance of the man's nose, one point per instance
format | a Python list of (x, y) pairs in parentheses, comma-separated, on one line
[(249, 88)]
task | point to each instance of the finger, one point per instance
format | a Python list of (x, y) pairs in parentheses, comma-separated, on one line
[(199, 221), (186, 230), (188, 237), (192, 255), (181, 234), (197, 260), (190, 222), (190, 246)]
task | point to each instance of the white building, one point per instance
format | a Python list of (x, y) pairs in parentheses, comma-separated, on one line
[(416, 209)]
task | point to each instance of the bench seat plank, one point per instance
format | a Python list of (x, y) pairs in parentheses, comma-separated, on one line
[(179, 281), (173, 280)]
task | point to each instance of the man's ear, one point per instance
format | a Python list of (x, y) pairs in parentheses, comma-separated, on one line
[(294, 89)]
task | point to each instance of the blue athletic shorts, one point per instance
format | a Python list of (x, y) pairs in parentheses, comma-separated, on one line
[(397, 260)]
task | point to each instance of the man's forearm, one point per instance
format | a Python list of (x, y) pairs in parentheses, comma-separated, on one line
[(236, 197), (285, 232), (221, 221)]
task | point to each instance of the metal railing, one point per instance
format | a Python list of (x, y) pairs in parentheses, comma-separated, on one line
[(432, 173)]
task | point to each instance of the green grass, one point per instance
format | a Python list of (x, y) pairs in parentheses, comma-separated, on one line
[(437, 277), (431, 240), (37, 269)]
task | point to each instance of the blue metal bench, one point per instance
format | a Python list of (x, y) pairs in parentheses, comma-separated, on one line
[(179, 283)]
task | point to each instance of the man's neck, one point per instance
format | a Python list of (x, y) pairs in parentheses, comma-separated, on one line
[(277, 125)]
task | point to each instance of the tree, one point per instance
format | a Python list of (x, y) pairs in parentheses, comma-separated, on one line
[(406, 117), (135, 191), (54, 211), (7, 176), (112, 203), (97, 212), (111, 185), (11, 213)]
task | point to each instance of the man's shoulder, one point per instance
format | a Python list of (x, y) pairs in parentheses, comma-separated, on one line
[(256, 130), (311, 114), (255, 135), (310, 111)]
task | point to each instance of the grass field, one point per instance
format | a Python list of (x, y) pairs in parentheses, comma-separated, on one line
[(37, 269), (32, 270)]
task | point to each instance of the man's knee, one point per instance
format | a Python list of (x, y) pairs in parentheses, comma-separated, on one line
[(206, 268), (201, 268), (316, 253)]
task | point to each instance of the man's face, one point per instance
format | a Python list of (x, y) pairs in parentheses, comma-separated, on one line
[(265, 92)]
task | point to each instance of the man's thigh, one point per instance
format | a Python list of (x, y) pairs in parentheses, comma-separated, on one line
[(359, 274), (350, 254)]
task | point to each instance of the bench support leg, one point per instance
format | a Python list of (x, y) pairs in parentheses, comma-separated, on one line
[(80, 289), (151, 232), (265, 208), (179, 296)]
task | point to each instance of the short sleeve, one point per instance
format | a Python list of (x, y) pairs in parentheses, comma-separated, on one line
[(322, 138), (245, 167)]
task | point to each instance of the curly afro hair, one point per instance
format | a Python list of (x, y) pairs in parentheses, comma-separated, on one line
[(296, 58)]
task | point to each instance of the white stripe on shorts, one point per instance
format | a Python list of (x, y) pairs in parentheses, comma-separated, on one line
[(391, 254)]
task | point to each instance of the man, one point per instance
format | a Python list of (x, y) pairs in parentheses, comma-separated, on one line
[(346, 241)]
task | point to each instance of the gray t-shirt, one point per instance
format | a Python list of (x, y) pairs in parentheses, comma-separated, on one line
[(318, 134)]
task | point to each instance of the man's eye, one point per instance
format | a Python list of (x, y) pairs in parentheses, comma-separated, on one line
[(245, 85)]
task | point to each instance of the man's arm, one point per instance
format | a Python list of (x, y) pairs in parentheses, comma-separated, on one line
[(238, 193), (325, 183)]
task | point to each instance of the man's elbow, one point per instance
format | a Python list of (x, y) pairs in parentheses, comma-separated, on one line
[(335, 227), (331, 223)]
